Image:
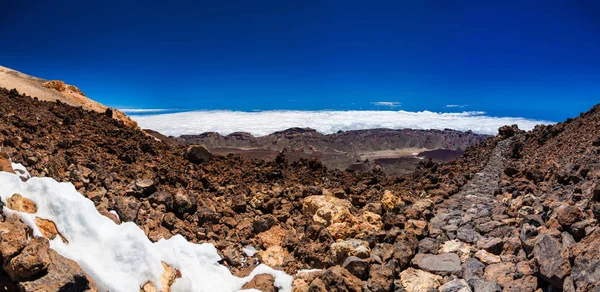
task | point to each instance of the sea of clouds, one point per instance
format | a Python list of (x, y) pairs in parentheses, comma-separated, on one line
[(266, 122)]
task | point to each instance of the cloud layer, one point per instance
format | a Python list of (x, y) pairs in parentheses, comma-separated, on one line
[(143, 110), (386, 103), (266, 122)]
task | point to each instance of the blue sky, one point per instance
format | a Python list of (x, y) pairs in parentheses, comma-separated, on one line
[(535, 59)]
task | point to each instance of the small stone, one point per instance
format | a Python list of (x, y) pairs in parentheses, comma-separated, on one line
[(261, 282), (500, 272), (271, 237), (568, 214), (486, 257), (357, 267), (443, 264), (493, 246), (413, 280), (472, 268), (381, 277), (467, 234), (146, 186), (273, 257), (18, 203), (14, 235), (456, 285), (417, 227), (341, 250), (389, 201), (5, 164), (524, 284), (482, 285), (48, 229)]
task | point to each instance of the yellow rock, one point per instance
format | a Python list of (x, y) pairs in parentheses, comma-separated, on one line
[(390, 201), (48, 229), (166, 280), (325, 208), (273, 256), (18, 203), (272, 236)]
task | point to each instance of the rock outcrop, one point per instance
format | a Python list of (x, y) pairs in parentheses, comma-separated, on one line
[(55, 90)]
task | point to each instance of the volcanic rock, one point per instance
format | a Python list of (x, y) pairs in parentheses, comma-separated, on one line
[(442, 264), (357, 267), (413, 280), (262, 282), (5, 164), (552, 259), (198, 154), (344, 249)]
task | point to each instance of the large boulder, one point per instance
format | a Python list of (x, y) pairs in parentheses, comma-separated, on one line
[(14, 235), (33, 260), (62, 275), (552, 259), (198, 154), (586, 271)]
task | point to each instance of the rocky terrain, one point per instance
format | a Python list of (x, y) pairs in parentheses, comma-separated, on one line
[(53, 90), (393, 151), (517, 212)]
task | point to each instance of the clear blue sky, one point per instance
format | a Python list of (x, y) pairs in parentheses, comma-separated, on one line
[(536, 59)]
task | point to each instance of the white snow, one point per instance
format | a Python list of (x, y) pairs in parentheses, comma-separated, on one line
[(308, 271), (121, 257), (249, 250), (21, 171), (114, 213)]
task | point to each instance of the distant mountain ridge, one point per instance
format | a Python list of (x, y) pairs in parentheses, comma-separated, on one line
[(354, 140), (357, 149)]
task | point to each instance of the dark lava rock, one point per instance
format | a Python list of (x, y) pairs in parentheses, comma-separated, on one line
[(357, 267), (198, 154), (552, 259), (127, 208), (381, 278)]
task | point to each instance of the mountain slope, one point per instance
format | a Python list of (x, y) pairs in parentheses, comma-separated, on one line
[(54, 90), (517, 212)]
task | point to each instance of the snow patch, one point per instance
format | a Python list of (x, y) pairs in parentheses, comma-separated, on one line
[(21, 171), (121, 257), (114, 213), (249, 250)]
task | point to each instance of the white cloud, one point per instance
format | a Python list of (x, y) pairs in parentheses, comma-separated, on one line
[(144, 110), (457, 105), (266, 122), (386, 103)]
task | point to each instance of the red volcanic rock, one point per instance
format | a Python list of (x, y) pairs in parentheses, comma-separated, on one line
[(517, 212)]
